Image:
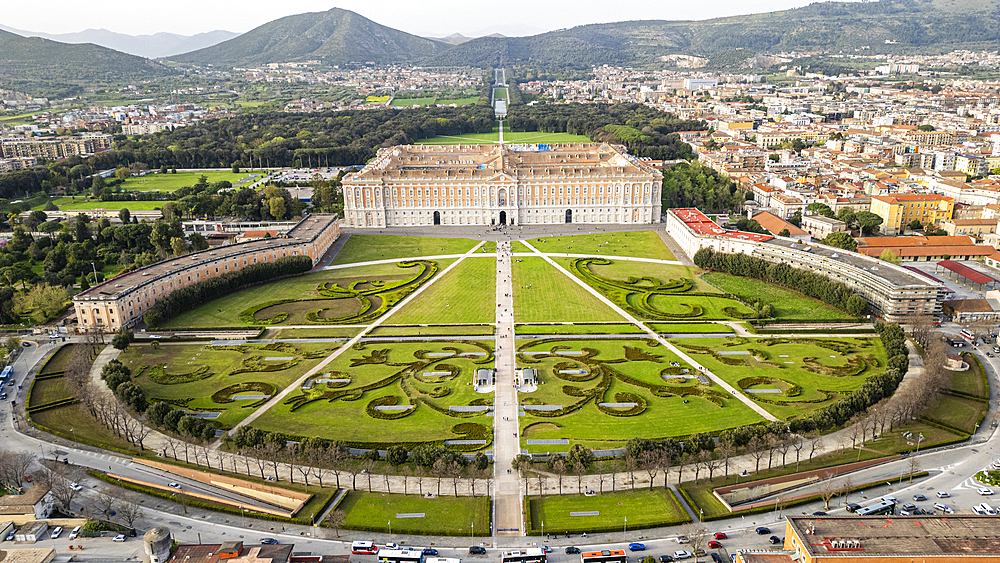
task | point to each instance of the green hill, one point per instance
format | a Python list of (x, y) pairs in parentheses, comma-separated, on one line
[(43, 67), (333, 37), (892, 26)]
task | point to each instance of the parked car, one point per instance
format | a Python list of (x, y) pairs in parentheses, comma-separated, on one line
[(943, 494), (636, 546), (700, 552), (75, 533), (987, 509), (10, 537), (683, 539), (714, 544), (919, 498), (429, 551), (763, 530), (985, 492), (476, 550), (571, 550), (775, 540), (57, 532), (119, 538), (75, 487), (943, 508), (716, 558), (269, 541), (721, 536), (909, 506), (666, 559), (819, 513), (682, 554)]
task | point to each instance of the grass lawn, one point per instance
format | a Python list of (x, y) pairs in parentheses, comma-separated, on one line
[(363, 248), (458, 101), (317, 332), (410, 102), (552, 296), (601, 328), (644, 509), (955, 412), (225, 311), (58, 361), (500, 93), (785, 365), (518, 246), (443, 515), (174, 182), (458, 330), (972, 381), (197, 394), (675, 304), (116, 205), (691, 328), (787, 303), (640, 244), (431, 375), (463, 295), (73, 422), (48, 390), (613, 374), (508, 137)]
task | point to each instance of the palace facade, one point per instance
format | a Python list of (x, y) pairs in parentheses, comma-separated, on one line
[(502, 185)]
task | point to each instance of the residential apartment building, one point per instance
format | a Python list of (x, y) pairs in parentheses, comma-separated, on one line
[(54, 149), (123, 300), (821, 226), (971, 227), (899, 210), (502, 185), (893, 293)]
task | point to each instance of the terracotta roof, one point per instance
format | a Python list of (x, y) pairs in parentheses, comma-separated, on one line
[(915, 241), (925, 251), (968, 305), (903, 198), (775, 224)]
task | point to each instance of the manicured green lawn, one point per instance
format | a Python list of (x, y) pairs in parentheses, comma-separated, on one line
[(74, 422), (364, 248), (48, 390), (544, 294), (787, 304), (500, 93), (518, 246), (683, 409), (58, 361), (225, 311), (508, 136), (197, 394), (410, 102), (785, 364), (643, 508), (458, 101), (600, 328), (318, 332), (463, 295), (956, 412), (640, 244), (427, 374), (173, 182), (971, 381), (411, 330), (116, 205), (691, 328), (443, 515)]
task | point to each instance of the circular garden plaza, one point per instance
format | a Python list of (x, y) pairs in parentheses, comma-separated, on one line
[(457, 386)]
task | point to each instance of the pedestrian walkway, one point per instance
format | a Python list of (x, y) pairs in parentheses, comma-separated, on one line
[(507, 498)]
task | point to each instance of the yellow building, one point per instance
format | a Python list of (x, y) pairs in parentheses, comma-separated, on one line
[(899, 210)]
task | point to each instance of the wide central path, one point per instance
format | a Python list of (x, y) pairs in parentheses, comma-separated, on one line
[(507, 494)]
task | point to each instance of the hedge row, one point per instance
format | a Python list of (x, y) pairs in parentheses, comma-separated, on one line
[(185, 298), (52, 405)]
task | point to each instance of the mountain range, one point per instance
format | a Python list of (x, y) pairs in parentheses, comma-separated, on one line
[(338, 37), (149, 46)]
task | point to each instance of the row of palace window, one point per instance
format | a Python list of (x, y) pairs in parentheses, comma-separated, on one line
[(477, 192)]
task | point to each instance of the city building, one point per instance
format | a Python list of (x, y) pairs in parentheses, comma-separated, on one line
[(821, 226), (502, 185), (232, 552), (971, 227), (892, 539), (925, 249), (122, 301), (36, 503), (893, 293), (54, 148), (776, 225), (899, 210)]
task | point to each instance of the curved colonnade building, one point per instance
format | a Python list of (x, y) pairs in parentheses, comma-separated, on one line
[(502, 184)]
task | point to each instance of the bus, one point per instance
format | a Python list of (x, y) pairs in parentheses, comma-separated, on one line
[(4, 375), (530, 555), (364, 548), (880, 507), (968, 334), (401, 556), (605, 556)]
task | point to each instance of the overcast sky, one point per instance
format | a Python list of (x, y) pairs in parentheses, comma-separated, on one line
[(421, 17)]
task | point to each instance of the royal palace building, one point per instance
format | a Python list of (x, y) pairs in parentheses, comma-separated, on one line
[(505, 184)]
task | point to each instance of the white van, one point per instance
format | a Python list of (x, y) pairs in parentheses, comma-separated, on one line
[(75, 533)]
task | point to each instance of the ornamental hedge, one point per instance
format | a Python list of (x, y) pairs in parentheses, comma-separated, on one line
[(194, 295)]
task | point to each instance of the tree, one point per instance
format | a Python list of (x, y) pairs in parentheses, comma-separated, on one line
[(122, 339), (868, 221), (889, 256), (819, 208), (130, 508), (125, 216), (396, 455), (335, 520), (784, 233), (827, 490), (178, 246), (915, 225), (579, 453), (841, 239), (122, 173), (856, 306)]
